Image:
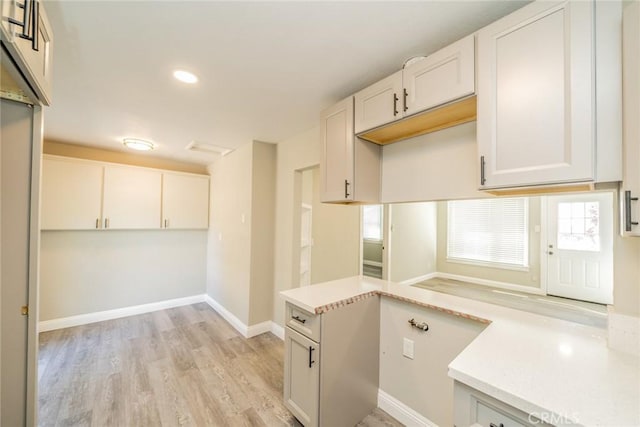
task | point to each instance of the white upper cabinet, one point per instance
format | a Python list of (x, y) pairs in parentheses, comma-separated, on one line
[(185, 201), (537, 97), (71, 194), (87, 195), (131, 198), (30, 45), (442, 77), (350, 167), (379, 104), (631, 84)]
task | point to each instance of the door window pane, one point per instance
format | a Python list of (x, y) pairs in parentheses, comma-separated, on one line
[(579, 226)]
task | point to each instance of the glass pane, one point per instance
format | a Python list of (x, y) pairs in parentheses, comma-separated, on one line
[(580, 231)]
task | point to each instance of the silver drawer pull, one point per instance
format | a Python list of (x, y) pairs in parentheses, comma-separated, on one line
[(422, 326), (303, 321)]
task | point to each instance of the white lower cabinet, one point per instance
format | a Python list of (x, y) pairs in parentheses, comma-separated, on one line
[(475, 409), (331, 363), (414, 362)]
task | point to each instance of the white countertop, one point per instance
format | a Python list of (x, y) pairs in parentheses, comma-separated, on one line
[(537, 364)]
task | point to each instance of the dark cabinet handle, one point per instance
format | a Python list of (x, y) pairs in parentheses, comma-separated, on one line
[(404, 99), (303, 321), (26, 19), (395, 104), (311, 361), (424, 327), (483, 180), (628, 222), (36, 25), (493, 425), (346, 189)]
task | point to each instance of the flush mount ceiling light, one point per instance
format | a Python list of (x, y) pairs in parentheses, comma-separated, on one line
[(138, 144), (185, 76)]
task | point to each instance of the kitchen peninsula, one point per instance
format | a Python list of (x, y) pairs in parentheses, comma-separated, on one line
[(542, 369)]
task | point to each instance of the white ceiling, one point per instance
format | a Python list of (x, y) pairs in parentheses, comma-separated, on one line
[(266, 69)]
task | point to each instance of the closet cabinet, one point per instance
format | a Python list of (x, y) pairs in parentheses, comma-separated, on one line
[(539, 93), (350, 167), (131, 198), (630, 191), (71, 194), (444, 76), (88, 195), (185, 201)]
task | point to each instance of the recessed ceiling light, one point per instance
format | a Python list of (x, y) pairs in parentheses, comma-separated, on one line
[(185, 76), (138, 144)]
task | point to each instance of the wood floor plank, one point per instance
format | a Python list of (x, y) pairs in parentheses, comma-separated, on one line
[(184, 366)]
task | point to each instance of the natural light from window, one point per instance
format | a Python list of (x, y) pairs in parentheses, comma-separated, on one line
[(490, 232), (372, 222), (579, 226)]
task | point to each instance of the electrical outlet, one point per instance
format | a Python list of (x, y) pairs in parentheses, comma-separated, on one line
[(407, 348)]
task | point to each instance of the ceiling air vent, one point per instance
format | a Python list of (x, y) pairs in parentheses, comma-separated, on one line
[(202, 147)]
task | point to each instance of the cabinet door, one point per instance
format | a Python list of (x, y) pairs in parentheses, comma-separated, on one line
[(71, 194), (302, 377), (442, 77), (379, 104), (536, 96), (185, 201), (336, 168), (631, 126), (34, 59), (131, 198)]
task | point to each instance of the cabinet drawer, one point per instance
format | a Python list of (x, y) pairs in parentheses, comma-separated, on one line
[(488, 416), (304, 322)]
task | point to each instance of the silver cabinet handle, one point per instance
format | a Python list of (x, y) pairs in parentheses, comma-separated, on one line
[(97, 222), (106, 223), (483, 180), (423, 326), (36, 25), (26, 19)]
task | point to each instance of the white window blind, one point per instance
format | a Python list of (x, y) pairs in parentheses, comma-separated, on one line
[(492, 231), (372, 222)]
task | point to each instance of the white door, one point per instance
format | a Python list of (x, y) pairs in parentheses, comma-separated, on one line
[(379, 103), (132, 198), (444, 76), (579, 249), (185, 201), (535, 108)]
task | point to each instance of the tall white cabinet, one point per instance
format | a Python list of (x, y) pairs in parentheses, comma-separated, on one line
[(350, 167), (630, 191), (545, 96)]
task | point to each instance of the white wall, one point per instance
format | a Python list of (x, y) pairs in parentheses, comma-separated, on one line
[(229, 242), (88, 271), (336, 238), (412, 241)]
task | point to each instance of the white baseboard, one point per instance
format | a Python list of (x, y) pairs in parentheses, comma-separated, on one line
[(83, 319), (493, 283), (419, 279), (245, 331), (402, 412), (624, 333), (277, 330)]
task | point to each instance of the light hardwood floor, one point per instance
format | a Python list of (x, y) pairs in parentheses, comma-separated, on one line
[(184, 366)]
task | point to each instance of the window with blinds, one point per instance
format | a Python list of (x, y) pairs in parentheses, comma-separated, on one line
[(372, 222), (489, 231)]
